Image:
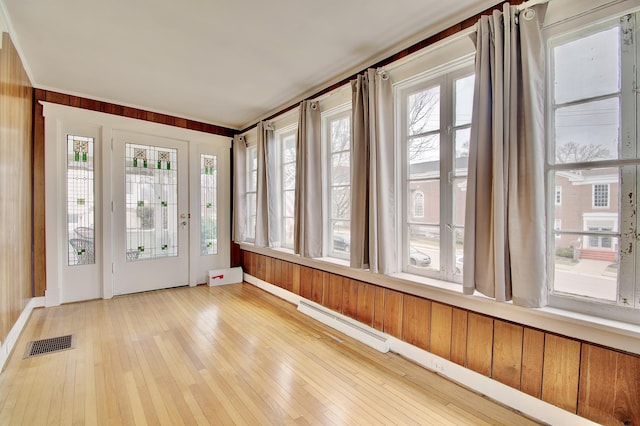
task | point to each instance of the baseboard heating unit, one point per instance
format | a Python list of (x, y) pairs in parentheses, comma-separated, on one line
[(367, 335)]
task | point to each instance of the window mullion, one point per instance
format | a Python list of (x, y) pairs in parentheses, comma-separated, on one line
[(636, 272), (630, 271), (447, 107), (628, 279)]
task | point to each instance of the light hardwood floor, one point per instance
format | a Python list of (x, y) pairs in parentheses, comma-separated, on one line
[(223, 355)]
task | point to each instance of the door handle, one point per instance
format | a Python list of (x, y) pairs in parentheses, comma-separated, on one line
[(184, 219)]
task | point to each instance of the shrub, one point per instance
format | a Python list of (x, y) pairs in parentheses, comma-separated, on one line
[(564, 252)]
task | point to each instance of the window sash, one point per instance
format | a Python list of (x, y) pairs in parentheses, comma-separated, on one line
[(628, 282), (251, 192), (284, 136), (337, 233), (446, 259)]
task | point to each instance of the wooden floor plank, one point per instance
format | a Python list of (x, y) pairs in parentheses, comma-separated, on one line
[(220, 355)]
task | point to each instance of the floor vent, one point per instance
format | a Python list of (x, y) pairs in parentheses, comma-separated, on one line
[(47, 346)]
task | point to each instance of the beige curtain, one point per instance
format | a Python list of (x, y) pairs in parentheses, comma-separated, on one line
[(373, 216), (504, 242), (267, 234), (307, 239), (239, 188)]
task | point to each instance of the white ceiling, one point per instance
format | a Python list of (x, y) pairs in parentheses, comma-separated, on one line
[(225, 62)]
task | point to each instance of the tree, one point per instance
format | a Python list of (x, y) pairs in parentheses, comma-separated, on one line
[(421, 109), (340, 141), (571, 152)]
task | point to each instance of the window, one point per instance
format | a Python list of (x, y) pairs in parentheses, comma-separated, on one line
[(592, 110), (337, 135), (80, 200), (558, 195), (434, 134), (287, 154), (418, 204), (557, 224), (599, 242), (208, 204), (252, 187), (600, 195)]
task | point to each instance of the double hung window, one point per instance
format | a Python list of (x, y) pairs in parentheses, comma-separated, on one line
[(337, 135), (251, 193), (593, 155), (286, 139), (435, 117)]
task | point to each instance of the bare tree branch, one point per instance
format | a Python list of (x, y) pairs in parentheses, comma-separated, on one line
[(572, 152), (422, 106)]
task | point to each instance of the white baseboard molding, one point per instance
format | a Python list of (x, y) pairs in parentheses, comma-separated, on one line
[(503, 394), (14, 333)]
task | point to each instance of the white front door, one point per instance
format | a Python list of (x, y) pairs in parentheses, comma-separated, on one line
[(150, 184), (131, 205)]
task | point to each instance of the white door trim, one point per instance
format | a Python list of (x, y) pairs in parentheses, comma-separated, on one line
[(199, 264), (56, 118)]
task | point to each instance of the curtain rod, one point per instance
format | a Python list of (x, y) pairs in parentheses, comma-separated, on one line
[(451, 31), (531, 3)]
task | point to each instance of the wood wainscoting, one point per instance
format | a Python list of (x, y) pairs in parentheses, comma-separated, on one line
[(15, 187), (598, 383)]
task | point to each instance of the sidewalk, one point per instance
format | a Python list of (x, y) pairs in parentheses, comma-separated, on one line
[(588, 267), (591, 278)]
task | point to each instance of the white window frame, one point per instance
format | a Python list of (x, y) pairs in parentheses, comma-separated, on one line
[(281, 135), (628, 302), (445, 76), (339, 112), (250, 234)]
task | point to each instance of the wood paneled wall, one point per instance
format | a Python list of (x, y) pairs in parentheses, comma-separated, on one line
[(15, 186), (598, 383), (39, 269)]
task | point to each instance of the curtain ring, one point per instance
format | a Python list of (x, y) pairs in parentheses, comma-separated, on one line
[(529, 14), (314, 105), (384, 75)]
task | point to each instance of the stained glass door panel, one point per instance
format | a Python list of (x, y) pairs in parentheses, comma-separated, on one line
[(208, 205), (151, 202), (80, 201)]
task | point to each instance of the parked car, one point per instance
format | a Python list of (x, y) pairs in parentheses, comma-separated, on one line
[(341, 242), (459, 263), (418, 258)]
